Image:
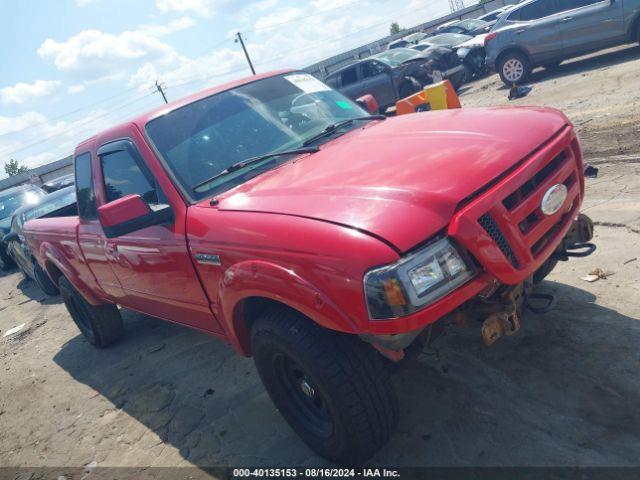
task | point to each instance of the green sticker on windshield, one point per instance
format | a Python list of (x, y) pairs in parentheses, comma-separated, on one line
[(344, 105)]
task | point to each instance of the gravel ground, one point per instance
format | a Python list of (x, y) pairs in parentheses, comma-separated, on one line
[(563, 391)]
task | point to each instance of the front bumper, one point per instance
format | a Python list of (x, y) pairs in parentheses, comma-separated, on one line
[(503, 229)]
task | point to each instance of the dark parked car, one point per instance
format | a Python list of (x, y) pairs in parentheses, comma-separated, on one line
[(468, 26), (10, 200), (492, 17), (388, 76), (546, 32), (59, 183), (58, 204)]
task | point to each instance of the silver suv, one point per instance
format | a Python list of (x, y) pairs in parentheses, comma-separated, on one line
[(546, 32)]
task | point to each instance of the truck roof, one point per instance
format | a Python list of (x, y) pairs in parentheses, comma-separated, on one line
[(141, 119)]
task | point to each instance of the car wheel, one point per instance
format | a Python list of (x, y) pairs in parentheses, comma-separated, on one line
[(44, 282), (408, 88), (6, 262), (333, 389), (468, 73), (101, 325), (514, 68)]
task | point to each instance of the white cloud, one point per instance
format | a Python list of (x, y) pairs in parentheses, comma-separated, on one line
[(279, 16), (176, 25), (73, 89), (22, 92), (96, 53), (20, 122), (199, 7)]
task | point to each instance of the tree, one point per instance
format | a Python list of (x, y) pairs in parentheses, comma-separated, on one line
[(395, 28), (12, 167)]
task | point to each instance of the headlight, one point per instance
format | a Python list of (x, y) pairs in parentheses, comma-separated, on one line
[(415, 281)]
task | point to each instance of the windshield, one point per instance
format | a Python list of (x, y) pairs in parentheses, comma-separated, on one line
[(51, 205), (396, 56), (275, 114), (10, 203), (470, 24), (446, 39)]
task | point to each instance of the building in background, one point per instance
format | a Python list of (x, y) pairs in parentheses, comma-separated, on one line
[(41, 174)]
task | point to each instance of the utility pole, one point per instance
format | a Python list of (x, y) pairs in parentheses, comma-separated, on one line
[(246, 54), (159, 87)]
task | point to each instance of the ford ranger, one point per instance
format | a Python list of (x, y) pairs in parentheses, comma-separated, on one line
[(277, 214)]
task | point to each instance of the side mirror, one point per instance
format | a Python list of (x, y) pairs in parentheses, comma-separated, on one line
[(11, 237), (369, 103), (129, 214)]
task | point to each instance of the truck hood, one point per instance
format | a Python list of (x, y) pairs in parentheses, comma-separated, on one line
[(400, 179)]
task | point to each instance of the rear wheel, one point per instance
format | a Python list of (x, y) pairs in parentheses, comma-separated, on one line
[(334, 390), (513, 68), (44, 282), (100, 324)]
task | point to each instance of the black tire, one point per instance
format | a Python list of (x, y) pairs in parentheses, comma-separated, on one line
[(44, 282), (468, 73), (407, 88), (6, 262), (101, 325), (350, 408), (544, 270), (514, 67)]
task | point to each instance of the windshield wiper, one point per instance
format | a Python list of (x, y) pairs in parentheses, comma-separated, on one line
[(335, 126), (252, 160)]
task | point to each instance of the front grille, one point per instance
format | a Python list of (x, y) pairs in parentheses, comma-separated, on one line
[(491, 227), (530, 186)]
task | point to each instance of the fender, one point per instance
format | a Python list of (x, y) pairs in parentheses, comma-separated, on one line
[(49, 257), (267, 280)]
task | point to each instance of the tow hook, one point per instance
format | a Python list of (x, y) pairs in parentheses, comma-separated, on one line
[(500, 323), (577, 241), (549, 298)]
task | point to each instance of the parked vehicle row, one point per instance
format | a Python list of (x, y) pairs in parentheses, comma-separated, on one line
[(545, 32), (275, 213)]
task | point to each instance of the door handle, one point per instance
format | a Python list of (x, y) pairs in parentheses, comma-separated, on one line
[(566, 19)]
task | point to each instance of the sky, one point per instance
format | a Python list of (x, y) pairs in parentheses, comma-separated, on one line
[(70, 68)]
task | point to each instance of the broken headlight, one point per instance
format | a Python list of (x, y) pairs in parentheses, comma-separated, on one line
[(415, 281)]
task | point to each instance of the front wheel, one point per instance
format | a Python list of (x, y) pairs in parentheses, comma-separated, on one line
[(334, 390), (514, 68), (6, 262)]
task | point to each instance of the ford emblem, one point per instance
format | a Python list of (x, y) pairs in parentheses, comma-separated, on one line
[(553, 199)]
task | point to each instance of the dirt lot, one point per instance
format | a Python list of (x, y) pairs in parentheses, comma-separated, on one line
[(564, 391)]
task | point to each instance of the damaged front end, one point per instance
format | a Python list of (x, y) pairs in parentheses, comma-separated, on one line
[(499, 309)]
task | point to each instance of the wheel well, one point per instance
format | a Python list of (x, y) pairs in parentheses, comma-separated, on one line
[(634, 34), (247, 312), (508, 51), (53, 271)]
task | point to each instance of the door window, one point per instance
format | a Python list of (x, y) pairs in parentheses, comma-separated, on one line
[(535, 10), (372, 69), (571, 4), (84, 188), (123, 176), (349, 76)]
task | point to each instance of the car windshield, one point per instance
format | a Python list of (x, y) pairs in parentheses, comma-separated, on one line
[(447, 39), (470, 24), (396, 56), (10, 203), (206, 137), (49, 205)]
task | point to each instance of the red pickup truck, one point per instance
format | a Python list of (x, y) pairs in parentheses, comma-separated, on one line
[(277, 214)]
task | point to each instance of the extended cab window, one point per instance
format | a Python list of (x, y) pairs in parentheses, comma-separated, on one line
[(84, 188), (349, 76), (123, 176)]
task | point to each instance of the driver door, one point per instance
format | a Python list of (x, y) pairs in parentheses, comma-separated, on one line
[(376, 80), (153, 265)]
